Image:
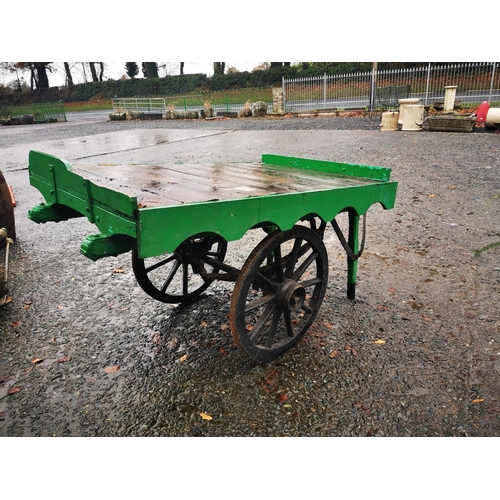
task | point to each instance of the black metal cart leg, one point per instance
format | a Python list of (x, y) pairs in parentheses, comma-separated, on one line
[(352, 264), (352, 247)]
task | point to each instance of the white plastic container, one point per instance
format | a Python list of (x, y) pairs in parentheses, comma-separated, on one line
[(413, 117), (492, 118), (390, 120), (402, 105)]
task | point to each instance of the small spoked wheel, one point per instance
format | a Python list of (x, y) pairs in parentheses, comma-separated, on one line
[(279, 292), (176, 277)]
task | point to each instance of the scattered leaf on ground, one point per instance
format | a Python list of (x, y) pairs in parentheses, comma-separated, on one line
[(347, 347), (111, 369), (16, 324), (13, 390), (478, 400), (391, 290), (379, 341), (333, 354), (204, 323), (63, 360), (205, 416), (156, 337), (425, 317), (328, 325), (118, 270), (27, 304), (36, 360), (272, 376), (183, 358), (282, 398), (172, 344), (224, 327), (380, 307)]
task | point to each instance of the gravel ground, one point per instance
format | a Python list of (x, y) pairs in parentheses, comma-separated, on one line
[(416, 354)]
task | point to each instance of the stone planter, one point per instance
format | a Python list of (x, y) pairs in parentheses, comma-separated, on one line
[(451, 123)]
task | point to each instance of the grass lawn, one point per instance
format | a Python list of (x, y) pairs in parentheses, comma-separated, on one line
[(236, 96)]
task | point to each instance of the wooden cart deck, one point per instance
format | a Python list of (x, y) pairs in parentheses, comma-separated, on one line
[(181, 184)]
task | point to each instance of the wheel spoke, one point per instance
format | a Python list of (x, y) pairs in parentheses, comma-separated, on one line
[(302, 269), (278, 264), (261, 321), (171, 275), (292, 257), (266, 281), (311, 282), (273, 327), (170, 258), (262, 301), (288, 322)]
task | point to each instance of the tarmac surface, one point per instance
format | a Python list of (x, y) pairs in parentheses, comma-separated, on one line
[(85, 352)]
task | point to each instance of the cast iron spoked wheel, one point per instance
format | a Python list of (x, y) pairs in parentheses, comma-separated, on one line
[(175, 278), (278, 292)]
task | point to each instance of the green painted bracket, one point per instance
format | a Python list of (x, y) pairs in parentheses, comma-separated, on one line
[(52, 213), (97, 246)]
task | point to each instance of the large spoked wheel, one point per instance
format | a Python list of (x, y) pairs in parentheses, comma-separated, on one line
[(278, 292), (178, 277)]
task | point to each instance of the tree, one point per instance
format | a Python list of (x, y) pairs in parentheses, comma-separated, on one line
[(219, 68), (131, 69), (182, 68), (262, 67), (150, 69), (69, 78), (38, 71), (93, 72)]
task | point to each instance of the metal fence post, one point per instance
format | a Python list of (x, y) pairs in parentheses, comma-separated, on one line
[(492, 80), (427, 84), (324, 90), (372, 87), (284, 98)]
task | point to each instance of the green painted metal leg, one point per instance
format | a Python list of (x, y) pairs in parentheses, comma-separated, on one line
[(352, 264)]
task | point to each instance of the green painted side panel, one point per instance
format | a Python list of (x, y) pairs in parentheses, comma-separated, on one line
[(352, 170), (110, 211), (162, 230)]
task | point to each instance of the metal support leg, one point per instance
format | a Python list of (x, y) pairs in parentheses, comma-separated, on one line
[(352, 264), (352, 247)]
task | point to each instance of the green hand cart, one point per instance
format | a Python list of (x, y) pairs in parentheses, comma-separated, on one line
[(177, 220)]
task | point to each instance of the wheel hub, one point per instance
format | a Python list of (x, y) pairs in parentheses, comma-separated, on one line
[(291, 295)]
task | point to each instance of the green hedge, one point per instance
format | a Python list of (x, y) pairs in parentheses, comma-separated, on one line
[(178, 84)]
